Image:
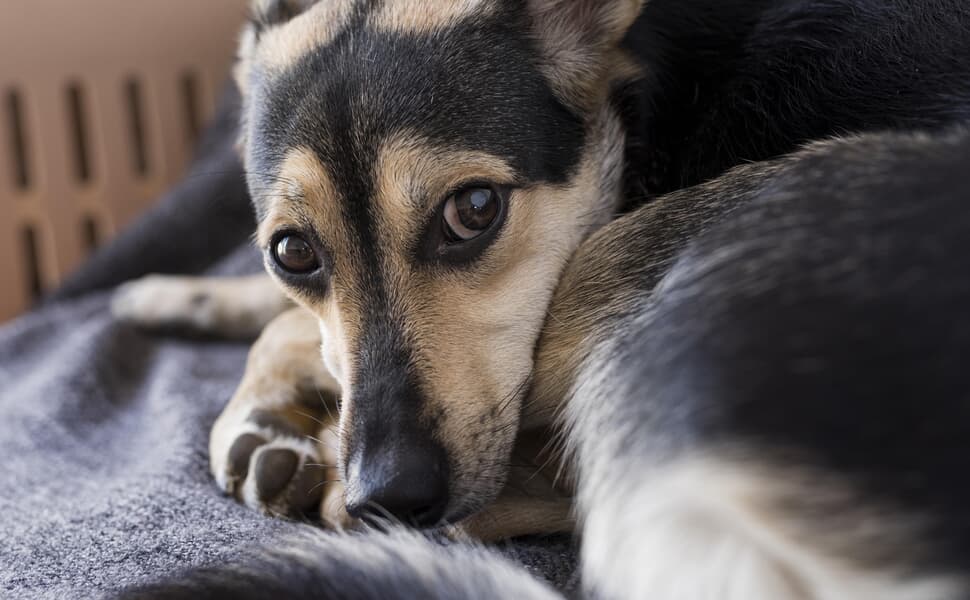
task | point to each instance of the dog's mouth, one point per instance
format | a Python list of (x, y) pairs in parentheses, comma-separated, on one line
[(383, 521), (420, 485), (379, 518)]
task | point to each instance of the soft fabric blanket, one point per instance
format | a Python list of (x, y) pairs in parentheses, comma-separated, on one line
[(104, 429)]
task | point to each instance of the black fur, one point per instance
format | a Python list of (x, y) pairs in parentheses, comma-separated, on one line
[(737, 81), (836, 325)]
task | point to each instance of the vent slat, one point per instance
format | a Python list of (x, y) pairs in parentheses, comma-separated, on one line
[(17, 139), (30, 256), (191, 107), (90, 233), (135, 101), (78, 118)]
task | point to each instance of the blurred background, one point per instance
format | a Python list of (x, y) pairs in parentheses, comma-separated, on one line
[(101, 102)]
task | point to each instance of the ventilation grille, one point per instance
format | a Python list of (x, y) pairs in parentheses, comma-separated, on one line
[(101, 103)]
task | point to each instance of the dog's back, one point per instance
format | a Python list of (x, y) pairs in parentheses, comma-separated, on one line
[(788, 412), (739, 81)]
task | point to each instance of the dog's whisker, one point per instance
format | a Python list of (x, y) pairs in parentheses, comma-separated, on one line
[(326, 406), (323, 483), (309, 416), (386, 514), (516, 392), (321, 442)]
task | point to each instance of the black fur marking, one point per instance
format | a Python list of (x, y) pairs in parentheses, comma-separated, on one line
[(200, 299), (276, 12), (388, 401), (745, 80), (314, 399)]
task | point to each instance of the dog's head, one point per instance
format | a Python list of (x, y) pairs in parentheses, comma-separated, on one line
[(422, 170)]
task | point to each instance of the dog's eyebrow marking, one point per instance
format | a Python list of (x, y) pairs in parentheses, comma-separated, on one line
[(424, 16), (411, 170), (282, 46), (303, 190)]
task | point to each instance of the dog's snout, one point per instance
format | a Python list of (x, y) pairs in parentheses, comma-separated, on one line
[(409, 484)]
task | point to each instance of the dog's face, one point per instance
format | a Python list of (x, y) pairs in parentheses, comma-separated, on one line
[(422, 171)]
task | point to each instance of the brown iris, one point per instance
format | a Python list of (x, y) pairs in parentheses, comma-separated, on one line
[(295, 255), (470, 212)]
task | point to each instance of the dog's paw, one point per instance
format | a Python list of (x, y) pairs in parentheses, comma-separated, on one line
[(229, 306), (269, 462), (160, 302)]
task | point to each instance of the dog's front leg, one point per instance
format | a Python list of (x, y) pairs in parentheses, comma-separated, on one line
[(275, 445), (230, 307)]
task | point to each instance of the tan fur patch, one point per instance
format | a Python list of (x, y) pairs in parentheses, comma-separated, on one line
[(302, 192), (424, 16), (608, 272)]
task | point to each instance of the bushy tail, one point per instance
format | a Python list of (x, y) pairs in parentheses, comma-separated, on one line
[(325, 566)]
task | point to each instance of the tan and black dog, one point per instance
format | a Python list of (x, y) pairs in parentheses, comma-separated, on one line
[(423, 232), (493, 213)]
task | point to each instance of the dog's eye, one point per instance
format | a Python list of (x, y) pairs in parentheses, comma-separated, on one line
[(295, 255), (470, 212)]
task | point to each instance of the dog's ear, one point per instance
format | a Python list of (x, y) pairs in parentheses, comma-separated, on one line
[(264, 14), (598, 22), (581, 39), (267, 13)]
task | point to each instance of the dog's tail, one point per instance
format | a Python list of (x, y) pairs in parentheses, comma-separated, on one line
[(318, 565)]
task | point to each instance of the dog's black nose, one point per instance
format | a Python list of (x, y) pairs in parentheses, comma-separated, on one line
[(409, 484)]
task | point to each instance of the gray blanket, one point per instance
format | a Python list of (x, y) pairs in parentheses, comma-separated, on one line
[(103, 429)]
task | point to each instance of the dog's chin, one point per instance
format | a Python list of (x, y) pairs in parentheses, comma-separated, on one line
[(475, 496), (462, 513)]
